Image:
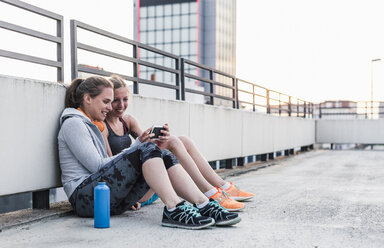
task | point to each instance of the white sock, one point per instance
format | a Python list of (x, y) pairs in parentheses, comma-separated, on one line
[(171, 209), (210, 192), (226, 186), (202, 204)]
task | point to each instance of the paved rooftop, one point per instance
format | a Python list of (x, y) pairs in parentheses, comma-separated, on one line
[(316, 199)]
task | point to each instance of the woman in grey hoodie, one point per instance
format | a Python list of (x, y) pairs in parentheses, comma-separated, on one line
[(129, 174)]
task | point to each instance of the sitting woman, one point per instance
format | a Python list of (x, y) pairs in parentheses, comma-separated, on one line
[(84, 162), (121, 125)]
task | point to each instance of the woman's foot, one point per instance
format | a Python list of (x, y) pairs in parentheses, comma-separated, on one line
[(185, 216), (237, 194), (221, 216), (226, 201)]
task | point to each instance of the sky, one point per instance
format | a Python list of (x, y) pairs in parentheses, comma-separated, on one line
[(115, 16), (313, 50)]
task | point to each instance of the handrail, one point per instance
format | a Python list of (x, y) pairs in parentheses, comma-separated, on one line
[(58, 39)]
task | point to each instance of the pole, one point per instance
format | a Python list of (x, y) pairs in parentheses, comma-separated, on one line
[(373, 60)]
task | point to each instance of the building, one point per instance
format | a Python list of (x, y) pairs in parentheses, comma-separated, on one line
[(203, 31)]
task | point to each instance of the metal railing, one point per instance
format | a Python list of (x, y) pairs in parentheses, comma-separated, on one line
[(212, 83), (58, 39), (135, 60), (269, 101), (209, 79), (350, 110)]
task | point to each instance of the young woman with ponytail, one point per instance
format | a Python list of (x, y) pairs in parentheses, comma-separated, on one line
[(84, 162)]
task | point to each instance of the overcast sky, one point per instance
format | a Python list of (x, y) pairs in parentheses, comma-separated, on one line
[(314, 50)]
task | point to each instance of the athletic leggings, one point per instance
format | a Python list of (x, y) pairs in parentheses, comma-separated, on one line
[(123, 176)]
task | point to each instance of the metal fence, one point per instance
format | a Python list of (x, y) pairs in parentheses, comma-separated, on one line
[(58, 39), (134, 60), (211, 79), (257, 98), (349, 110)]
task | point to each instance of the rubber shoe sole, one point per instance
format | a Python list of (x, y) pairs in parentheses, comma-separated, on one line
[(229, 222), (241, 199), (235, 210), (173, 224)]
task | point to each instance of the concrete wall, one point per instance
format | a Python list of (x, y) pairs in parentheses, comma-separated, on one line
[(29, 125), (350, 131), (30, 113)]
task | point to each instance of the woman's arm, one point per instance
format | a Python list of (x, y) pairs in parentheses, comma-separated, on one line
[(79, 141), (133, 126), (105, 134)]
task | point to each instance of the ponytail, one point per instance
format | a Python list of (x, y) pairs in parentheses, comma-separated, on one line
[(92, 86), (70, 97)]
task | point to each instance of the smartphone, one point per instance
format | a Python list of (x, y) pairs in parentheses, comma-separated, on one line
[(157, 131)]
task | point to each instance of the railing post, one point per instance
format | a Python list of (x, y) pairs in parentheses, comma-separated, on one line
[(298, 108), (253, 98), (279, 104), (73, 49), (289, 106), (60, 50), (268, 105), (235, 93), (182, 79), (136, 69), (305, 109), (40, 199), (212, 90)]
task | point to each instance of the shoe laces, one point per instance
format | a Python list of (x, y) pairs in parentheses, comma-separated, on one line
[(190, 210), (217, 207), (225, 194)]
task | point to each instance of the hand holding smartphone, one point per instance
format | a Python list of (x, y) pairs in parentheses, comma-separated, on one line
[(156, 130)]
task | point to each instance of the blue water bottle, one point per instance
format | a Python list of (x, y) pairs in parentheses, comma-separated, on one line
[(101, 205)]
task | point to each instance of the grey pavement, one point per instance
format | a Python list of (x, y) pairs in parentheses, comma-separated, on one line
[(316, 199)]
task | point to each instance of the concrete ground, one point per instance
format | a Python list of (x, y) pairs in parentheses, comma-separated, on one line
[(316, 199)]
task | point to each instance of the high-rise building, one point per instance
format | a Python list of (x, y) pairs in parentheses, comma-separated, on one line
[(203, 31)]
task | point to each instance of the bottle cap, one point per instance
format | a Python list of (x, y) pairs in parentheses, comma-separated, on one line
[(101, 183)]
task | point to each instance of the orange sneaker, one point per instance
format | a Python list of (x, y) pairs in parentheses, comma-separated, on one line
[(237, 194), (225, 201)]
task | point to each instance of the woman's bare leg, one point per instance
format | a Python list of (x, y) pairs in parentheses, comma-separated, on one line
[(184, 185), (177, 148), (147, 196), (202, 164), (157, 178)]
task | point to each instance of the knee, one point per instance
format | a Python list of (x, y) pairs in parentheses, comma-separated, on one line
[(174, 142), (169, 159), (187, 142), (149, 150)]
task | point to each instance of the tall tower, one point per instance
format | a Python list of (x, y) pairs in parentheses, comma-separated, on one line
[(203, 31)]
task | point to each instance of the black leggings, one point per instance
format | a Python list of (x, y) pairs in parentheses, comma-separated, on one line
[(123, 176)]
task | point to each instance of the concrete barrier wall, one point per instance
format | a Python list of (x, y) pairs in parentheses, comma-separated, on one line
[(30, 113), (350, 131), (29, 125)]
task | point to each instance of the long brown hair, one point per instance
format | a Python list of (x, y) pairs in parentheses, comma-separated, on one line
[(92, 86)]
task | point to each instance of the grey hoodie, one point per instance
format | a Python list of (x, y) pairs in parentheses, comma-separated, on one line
[(82, 149)]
